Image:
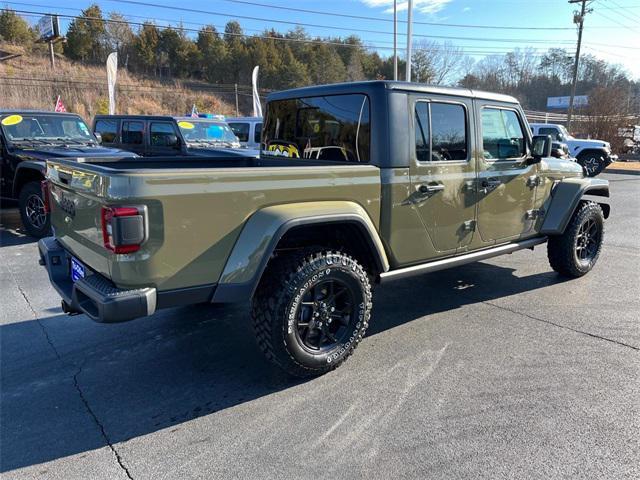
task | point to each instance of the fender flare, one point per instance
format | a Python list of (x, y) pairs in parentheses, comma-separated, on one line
[(566, 197), (264, 229), (27, 165)]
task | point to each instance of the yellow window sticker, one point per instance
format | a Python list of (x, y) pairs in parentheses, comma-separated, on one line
[(11, 120), (187, 125)]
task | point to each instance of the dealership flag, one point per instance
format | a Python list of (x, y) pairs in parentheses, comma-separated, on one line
[(194, 111), (112, 71), (257, 108), (59, 106)]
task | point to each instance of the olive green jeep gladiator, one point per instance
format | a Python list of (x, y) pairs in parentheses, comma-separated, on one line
[(357, 184)]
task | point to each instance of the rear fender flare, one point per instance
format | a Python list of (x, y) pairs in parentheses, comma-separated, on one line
[(264, 229), (566, 197)]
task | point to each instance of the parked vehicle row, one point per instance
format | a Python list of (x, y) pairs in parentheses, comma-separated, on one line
[(398, 179), (29, 138)]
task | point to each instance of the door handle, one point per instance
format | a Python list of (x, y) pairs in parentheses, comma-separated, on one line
[(430, 189), (490, 184)]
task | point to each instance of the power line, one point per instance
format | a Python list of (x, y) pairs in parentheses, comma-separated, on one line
[(285, 39), (332, 27), (388, 20)]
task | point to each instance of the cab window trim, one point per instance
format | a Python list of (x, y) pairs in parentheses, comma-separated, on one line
[(523, 129), (430, 101)]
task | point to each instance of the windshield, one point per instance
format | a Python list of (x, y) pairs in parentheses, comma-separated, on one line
[(195, 131), (564, 131), (46, 128)]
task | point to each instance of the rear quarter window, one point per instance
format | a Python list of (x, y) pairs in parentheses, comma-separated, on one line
[(331, 127)]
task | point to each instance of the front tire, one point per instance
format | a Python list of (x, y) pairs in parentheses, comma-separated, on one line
[(32, 210), (592, 163), (311, 310), (575, 252)]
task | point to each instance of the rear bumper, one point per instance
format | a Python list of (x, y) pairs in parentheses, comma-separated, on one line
[(94, 295), (612, 157)]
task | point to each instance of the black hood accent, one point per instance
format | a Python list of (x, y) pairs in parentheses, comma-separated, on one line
[(43, 152)]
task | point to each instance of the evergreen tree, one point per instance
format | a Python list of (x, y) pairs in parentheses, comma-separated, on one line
[(14, 28), (145, 47), (87, 36)]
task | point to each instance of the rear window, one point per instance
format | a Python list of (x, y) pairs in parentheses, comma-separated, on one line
[(257, 134), (332, 127)]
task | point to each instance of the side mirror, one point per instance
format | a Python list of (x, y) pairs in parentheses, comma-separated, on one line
[(172, 141), (540, 148), (98, 137)]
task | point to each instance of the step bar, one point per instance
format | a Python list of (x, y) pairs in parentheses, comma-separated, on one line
[(460, 259)]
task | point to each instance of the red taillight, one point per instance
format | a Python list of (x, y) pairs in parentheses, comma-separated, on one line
[(44, 186), (113, 227)]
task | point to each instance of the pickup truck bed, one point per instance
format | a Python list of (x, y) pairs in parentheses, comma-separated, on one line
[(195, 212)]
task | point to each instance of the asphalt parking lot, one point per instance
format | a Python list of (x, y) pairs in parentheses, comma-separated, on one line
[(499, 369)]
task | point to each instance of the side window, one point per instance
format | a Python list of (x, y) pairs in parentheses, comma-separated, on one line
[(108, 129), (422, 131), (257, 134), (502, 135), (448, 132), (549, 131), (163, 135), (241, 130), (132, 133)]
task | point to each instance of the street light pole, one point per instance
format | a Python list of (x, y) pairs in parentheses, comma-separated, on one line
[(580, 22), (409, 38), (395, 39)]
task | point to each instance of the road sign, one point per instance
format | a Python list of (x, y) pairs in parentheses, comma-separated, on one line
[(48, 27), (563, 102)]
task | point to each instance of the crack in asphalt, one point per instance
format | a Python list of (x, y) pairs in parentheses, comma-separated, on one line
[(564, 327), (76, 384), (99, 424), (42, 327)]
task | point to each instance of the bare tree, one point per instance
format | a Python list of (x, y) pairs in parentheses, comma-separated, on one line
[(437, 63)]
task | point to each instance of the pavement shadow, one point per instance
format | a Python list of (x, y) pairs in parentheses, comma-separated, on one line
[(156, 373), (11, 230)]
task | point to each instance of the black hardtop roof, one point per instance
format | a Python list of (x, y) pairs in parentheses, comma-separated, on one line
[(378, 86), (136, 117)]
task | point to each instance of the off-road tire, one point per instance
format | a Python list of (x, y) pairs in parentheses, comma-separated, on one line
[(279, 296), (592, 163), (30, 193), (562, 249)]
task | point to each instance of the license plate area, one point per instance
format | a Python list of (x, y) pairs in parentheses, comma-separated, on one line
[(78, 270)]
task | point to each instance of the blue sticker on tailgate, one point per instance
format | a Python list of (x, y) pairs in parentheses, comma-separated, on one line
[(77, 270)]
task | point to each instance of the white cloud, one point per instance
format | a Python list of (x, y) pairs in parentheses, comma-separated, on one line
[(424, 6), (466, 9)]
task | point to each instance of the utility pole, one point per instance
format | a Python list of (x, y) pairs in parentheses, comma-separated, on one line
[(235, 85), (409, 38), (579, 20), (52, 56), (395, 39)]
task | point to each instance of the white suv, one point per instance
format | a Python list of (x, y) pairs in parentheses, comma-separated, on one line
[(593, 155)]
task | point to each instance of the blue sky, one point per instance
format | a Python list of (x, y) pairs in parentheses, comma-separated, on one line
[(612, 30)]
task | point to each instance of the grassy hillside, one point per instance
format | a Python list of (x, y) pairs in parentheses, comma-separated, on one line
[(29, 82)]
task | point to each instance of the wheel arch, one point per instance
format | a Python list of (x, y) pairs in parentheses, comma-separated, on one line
[(28, 171), (565, 199), (285, 226)]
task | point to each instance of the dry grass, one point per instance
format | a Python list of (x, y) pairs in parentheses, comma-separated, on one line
[(29, 82)]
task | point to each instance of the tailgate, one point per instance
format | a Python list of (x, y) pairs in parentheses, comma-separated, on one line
[(75, 212)]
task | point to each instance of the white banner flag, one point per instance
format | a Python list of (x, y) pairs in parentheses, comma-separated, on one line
[(257, 107), (112, 71)]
